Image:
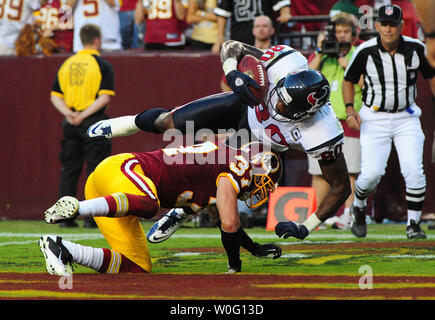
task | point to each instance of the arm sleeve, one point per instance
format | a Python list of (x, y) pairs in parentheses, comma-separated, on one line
[(356, 67), (107, 85), (55, 89)]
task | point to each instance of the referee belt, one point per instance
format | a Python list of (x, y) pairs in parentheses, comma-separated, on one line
[(386, 110)]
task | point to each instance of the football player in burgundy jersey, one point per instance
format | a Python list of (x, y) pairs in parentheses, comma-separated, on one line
[(295, 113), (133, 185), (56, 21)]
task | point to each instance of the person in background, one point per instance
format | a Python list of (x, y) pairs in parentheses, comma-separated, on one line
[(103, 13), (129, 29), (204, 33), (81, 92), (389, 64), (164, 23), (12, 20), (242, 18), (332, 64), (56, 22)]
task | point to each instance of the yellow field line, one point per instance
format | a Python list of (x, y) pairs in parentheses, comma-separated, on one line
[(376, 285)]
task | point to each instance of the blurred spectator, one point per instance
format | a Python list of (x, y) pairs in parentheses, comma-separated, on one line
[(103, 13), (56, 23), (332, 60), (425, 10), (129, 29), (164, 23), (348, 6), (13, 18), (300, 8), (200, 14), (263, 31), (242, 18), (81, 92)]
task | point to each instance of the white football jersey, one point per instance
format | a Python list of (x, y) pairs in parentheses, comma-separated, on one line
[(14, 15), (100, 13), (320, 135)]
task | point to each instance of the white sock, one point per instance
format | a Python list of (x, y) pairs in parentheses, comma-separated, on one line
[(359, 203), (123, 126), (346, 212), (85, 256), (312, 222), (414, 215), (97, 207)]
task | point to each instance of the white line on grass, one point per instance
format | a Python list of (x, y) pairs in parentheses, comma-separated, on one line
[(313, 238)]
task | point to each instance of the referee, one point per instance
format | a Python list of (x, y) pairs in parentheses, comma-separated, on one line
[(389, 64), (81, 92)]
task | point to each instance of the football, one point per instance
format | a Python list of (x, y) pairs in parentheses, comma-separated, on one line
[(252, 67)]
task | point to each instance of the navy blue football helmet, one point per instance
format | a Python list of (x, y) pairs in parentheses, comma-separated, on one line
[(302, 93)]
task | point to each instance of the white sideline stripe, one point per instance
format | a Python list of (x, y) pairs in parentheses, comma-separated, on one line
[(341, 237)]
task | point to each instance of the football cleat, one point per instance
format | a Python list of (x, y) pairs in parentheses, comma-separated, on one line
[(359, 226), (65, 208), (115, 127), (167, 225), (58, 260), (414, 231), (343, 222), (100, 129)]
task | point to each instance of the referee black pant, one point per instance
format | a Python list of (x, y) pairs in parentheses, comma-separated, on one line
[(76, 149)]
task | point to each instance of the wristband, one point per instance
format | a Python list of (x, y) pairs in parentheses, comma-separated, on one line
[(319, 50), (229, 65), (350, 104)]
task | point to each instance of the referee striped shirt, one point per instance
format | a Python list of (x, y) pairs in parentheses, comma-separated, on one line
[(390, 81)]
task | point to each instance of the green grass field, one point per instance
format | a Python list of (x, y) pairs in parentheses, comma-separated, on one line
[(198, 250)]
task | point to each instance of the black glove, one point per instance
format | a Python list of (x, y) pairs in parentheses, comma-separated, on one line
[(239, 83), (264, 250), (290, 228)]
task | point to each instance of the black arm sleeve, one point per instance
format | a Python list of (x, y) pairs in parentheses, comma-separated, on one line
[(219, 111)]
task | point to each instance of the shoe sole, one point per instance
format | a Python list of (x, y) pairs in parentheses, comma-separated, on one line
[(417, 236), (65, 208), (51, 269), (357, 233)]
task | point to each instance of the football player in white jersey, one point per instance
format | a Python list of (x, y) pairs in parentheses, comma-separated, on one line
[(14, 15), (295, 113), (103, 13)]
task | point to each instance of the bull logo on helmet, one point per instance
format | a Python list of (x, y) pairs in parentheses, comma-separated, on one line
[(316, 99)]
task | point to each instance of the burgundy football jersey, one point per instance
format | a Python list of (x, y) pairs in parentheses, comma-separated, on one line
[(188, 176), (162, 26), (54, 13)]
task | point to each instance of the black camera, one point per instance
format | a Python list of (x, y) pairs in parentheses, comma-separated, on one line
[(331, 46)]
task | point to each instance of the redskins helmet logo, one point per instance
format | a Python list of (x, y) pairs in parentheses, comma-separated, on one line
[(316, 98)]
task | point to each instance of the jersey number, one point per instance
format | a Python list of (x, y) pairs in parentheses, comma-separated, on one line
[(160, 9), (93, 10), (14, 9)]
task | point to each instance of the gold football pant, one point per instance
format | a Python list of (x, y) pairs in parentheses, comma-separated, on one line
[(124, 234)]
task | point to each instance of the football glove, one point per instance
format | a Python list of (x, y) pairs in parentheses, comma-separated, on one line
[(239, 83), (264, 250), (290, 228)]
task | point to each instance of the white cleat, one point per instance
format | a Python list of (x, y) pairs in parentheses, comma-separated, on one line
[(114, 127), (167, 225), (100, 129), (58, 260), (65, 208)]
